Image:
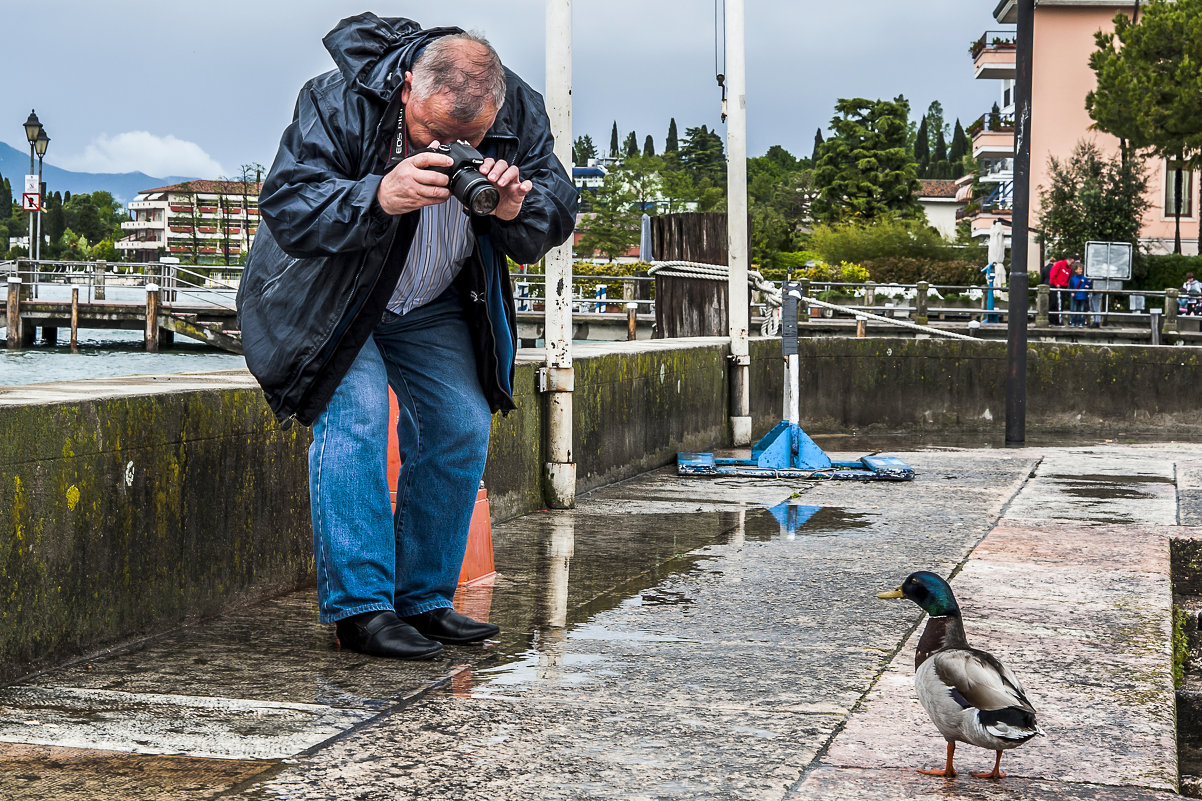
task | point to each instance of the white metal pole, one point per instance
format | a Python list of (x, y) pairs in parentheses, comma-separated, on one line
[(556, 377), (736, 224)]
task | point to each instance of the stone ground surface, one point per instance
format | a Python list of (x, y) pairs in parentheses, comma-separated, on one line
[(669, 638)]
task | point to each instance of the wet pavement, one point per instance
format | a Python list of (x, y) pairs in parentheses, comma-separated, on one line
[(680, 638)]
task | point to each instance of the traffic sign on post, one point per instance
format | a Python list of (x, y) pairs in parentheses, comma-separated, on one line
[(31, 201)]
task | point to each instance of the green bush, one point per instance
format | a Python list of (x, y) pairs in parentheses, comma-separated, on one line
[(1157, 273), (586, 288), (911, 270), (889, 238)]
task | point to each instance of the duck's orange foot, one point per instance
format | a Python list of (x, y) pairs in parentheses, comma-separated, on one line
[(948, 772), (996, 773)]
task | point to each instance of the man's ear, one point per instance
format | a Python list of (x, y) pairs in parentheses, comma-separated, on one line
[(407, 88)]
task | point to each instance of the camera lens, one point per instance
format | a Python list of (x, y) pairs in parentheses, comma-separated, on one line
[(484, 200), (474, 191)]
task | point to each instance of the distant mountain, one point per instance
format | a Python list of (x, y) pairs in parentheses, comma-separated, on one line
[(122, 185)]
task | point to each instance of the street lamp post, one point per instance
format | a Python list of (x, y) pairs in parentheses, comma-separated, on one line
[(39, 146), (32, 128)]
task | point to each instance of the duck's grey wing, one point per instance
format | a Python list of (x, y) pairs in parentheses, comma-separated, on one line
[(976, 680)]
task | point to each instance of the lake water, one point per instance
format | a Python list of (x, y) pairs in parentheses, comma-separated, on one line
[(105, 353)]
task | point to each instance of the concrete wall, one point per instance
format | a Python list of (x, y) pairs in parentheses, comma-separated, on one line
[(130, 505), (948, 387)]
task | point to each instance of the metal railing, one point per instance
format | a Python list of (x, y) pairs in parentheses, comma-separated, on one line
[(994, 39), (591, 293), (125, 282)]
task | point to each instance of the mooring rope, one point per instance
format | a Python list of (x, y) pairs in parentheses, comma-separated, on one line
[(773, 297), (890, 320)]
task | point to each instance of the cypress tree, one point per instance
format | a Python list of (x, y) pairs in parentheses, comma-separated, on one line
[(922, 150), (613, 141), (671, 144), (648, 146), (817, 144), (630, 145), (959, 146)]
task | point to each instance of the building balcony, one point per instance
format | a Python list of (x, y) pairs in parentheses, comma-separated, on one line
[(133, 243), (143, 225), (994, 55), (145, 204), (992, 136), (996, 171)]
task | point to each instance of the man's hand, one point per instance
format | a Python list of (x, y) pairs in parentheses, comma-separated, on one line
[(410, 185), (512, 190)]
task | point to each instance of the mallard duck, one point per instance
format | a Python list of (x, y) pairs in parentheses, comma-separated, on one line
[(970, 695)]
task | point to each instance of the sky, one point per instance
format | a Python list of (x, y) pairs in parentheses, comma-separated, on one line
[(199, 88)]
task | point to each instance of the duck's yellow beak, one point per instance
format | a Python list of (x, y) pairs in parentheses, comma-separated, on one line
[(891, 594)]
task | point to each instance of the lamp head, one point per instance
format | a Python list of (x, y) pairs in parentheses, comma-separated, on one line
[(32, 127), (41, 143)]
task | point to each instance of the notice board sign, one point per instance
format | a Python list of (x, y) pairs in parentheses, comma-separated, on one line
[(1109, 261)]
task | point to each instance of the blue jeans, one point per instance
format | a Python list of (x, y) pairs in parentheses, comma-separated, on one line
[(1079, 305), (369, 559)]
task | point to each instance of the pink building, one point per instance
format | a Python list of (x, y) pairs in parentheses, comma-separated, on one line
[(1064, 39)]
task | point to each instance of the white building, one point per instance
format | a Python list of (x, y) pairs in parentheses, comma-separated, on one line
[(206, 222)]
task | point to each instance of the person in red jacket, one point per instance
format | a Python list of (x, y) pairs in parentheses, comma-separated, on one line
[(1058, 280)]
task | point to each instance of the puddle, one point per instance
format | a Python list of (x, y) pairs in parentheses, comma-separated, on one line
[(792, 519)]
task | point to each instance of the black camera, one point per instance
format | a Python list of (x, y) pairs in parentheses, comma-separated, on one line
[(467, 184)]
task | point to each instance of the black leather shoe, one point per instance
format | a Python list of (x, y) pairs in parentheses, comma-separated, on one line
[(384, 634), (447, 625)]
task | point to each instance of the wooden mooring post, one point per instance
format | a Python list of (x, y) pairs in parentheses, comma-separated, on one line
[(74, 318), (13, 312), (152, 318)]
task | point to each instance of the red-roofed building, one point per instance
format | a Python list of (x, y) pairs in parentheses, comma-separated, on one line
[(206, 222), (939, 199)]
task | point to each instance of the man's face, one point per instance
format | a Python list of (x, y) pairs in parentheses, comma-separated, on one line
[(428, 120)]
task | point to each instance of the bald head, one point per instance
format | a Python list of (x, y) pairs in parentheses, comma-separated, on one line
[(464, 72)]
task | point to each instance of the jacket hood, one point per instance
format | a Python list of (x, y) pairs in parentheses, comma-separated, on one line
[(372, 53)]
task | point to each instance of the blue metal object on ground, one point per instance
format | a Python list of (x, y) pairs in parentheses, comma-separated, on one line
[(787, 451), (768, 463)]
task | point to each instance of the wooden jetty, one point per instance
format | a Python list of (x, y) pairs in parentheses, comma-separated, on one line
[(161, 300)]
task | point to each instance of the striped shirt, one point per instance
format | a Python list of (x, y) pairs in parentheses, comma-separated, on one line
[(442, 243)]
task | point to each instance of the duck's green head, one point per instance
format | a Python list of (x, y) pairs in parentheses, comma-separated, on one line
[(930, 592)]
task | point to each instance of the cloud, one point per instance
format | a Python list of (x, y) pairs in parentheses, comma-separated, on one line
[(142, 151)]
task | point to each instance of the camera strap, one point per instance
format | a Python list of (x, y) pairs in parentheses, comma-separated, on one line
[(400, 141)]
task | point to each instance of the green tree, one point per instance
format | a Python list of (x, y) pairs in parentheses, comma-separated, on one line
[(959, 147), (613, 227), (630, 145), (865, 169), (55, 221), (613, 141), (702, 155), (583, 150), (922, 149), (249, 177), (677, 189), (642, 177), (817, 144), (1090, 197), (779, 193), (671, 144), (648, 146), (1149, 76)]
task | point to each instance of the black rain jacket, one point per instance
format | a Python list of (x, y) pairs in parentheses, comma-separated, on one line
[(319, 274)]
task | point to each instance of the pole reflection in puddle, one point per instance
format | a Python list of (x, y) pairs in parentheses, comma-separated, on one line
[(549, 636), (734, 524)]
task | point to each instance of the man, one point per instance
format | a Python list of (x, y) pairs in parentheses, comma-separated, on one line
[(366, 273), (1061, 272)]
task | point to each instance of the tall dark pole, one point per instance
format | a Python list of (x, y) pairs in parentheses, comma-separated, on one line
[(1016, 329)]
